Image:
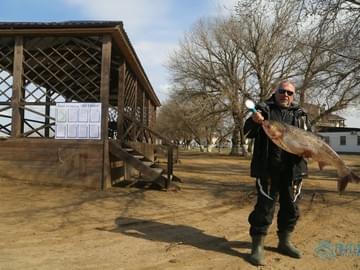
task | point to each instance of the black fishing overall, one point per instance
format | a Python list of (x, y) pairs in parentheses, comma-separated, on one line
[(279, 184)]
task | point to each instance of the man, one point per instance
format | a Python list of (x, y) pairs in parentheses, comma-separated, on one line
[(278, 173)]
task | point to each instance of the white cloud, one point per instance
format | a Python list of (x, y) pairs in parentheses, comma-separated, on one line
[(153, 56), (223, 7), (352, 116), (135, 14)]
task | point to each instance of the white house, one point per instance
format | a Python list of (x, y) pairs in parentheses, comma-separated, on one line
[(342, 139)]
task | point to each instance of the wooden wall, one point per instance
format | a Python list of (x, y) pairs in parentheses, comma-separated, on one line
[(66, 162)]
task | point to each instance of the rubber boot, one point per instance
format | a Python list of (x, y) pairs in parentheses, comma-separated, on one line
[(257, 250), (285, 247)]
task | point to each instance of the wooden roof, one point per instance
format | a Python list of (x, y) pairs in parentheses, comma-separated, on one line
[(114, 28)]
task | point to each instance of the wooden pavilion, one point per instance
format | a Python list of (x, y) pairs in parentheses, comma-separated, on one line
[(43, 64)]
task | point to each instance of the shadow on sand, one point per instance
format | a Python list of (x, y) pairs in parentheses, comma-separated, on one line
[(179, 235)]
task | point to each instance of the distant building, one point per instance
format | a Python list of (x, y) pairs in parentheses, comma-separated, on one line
[(330, 120), (341, 139)]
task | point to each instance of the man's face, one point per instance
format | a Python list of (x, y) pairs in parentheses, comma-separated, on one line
[(284, 94)]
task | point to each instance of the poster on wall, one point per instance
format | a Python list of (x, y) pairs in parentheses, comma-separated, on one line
[(78, 121)]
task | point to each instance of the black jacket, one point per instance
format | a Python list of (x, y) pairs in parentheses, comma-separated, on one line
[(260, 166)]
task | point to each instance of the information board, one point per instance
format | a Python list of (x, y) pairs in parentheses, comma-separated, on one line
[(78, 121)]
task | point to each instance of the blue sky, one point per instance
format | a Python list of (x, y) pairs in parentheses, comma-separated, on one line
[(153, 26)]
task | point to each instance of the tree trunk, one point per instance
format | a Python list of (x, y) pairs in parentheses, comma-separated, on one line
[(236, 143), (243, 139), (238, 138), (250, 145)]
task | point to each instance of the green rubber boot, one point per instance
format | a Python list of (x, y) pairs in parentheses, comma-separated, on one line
[(285, 247), (257, 250)]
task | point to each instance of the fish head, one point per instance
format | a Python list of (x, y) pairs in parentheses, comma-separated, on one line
[(273, 129)]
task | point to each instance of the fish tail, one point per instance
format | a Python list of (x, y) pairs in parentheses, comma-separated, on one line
[(343, 181)]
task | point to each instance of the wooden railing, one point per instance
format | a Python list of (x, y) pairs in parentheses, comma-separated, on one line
[(134, 130)]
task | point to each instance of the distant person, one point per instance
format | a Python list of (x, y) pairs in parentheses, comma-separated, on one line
[(277, 173)]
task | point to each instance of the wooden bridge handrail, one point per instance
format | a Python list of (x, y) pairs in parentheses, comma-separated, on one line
[(165, 140)]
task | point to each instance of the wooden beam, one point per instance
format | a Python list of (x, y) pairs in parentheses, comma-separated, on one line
[(143, 108), (135, 89), (120, 99), (148, 112), (47, 112), (105, 84), (57, 31), (104, 98), (17, 112)]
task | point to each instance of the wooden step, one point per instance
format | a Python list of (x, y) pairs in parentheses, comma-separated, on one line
[(147, 172), (158, 170), (147, 163)]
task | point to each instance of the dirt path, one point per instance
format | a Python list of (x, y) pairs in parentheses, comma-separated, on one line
[(204, 226)]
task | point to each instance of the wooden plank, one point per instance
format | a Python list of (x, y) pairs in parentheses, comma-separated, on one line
[(170, 166), (47, 112), (17, 114), (149, 173), (120, 100), (143, 107), (52, 163), (104, 98), (134, 131), (57, 31)]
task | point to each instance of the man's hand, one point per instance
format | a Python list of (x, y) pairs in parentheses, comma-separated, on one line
[(257, 118)]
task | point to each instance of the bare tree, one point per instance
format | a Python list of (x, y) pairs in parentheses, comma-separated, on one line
[(316, 43), (185, 120), (210, 63), (328, 73), (227, 60), (268, 42)]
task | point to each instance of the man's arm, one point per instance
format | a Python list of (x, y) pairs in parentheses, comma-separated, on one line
[(253, 125), (251, 128)]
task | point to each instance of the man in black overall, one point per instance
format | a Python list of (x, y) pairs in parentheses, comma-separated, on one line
[(277, 173)]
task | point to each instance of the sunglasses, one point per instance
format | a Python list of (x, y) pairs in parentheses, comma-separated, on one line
[(283, 91)]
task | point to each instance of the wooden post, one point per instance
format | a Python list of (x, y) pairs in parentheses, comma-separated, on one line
[(148, 112), (17, 112), (120, 100), (47, 113), (134, 131), (142, 114), (170, 166), (104, 98)]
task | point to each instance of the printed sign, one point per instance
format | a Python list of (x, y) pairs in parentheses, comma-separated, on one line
[(78, 121)]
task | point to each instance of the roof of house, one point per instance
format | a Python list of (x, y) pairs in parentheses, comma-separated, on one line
[(337, 129), (114, 28), (63, 24), (334, 117)]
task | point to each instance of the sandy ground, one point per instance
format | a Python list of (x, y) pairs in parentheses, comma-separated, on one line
[(203, 226)]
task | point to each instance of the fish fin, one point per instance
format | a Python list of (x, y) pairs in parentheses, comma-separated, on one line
[(322, 164), (343, 181), (354, 178)]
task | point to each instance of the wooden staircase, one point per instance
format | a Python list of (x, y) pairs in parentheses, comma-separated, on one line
[(149, 173)]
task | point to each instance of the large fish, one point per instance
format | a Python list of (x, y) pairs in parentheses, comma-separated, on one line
[(308, 145)]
